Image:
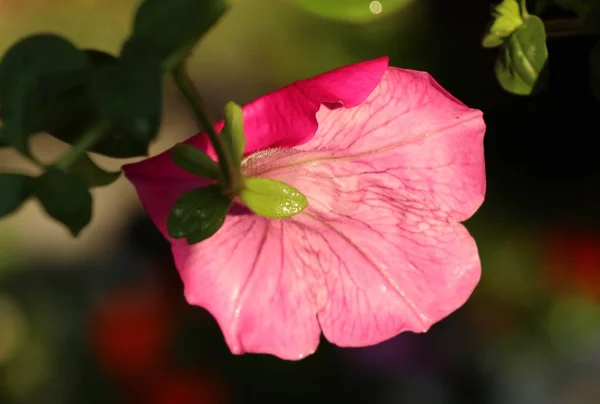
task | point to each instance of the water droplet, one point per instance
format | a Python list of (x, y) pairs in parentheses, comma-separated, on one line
[(375, 7)]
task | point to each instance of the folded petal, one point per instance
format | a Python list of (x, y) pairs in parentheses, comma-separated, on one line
[(283, 118)]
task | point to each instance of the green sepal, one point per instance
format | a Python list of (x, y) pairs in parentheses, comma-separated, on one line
[(271, 198), (195, 161), (198, 214), (232, 135)]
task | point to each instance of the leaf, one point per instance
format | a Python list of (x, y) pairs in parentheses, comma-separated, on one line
[(595, 70), (198, 214), (93, 175), (521, 63), (175, 26), (33, 70), (195, 161), (360, 11), (73, 112), (14, 190), (65, 197), (129, 94), (270, 198), (232, 135), (507, 18)]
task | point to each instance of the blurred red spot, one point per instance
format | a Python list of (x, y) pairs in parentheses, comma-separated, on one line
[(130, 331)]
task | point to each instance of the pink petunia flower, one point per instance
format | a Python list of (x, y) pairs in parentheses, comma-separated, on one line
[(390, 164)]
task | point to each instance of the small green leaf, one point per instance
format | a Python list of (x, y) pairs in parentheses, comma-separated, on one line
[(232, 135), (65, 197), (270, 198), (14, 190), (175, 26), (198, 214), (195, 161), (34, 69), (94, 176), (129, 93), (521, 63), (507, 18)]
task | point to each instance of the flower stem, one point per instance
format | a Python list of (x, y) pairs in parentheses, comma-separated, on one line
[(83, 144), (524, 12), (186, 87)]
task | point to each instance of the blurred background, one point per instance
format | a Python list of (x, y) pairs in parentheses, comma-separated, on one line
[(102, 319)]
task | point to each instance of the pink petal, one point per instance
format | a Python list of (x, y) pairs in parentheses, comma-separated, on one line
[(387, 183), (379, 249), (253, 276)]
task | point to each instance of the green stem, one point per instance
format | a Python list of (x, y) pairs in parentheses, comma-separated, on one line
[(186, 86), (524, 12), (83, 144)]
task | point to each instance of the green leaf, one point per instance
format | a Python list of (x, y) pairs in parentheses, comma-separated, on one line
[(359, 11), (595, 70), (65, 197), (232, 135), (270, 198), (94, 176), (507, 18), (195, 161), (521, 63), (14, 190), (73, 112), (198, 214), (33, 70), (129, 93), (175, 26)]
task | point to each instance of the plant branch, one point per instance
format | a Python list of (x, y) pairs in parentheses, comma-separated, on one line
[(186, 86), (83, 144)]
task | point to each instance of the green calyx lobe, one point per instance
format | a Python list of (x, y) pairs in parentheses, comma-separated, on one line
[(271, 198), (200, 213)]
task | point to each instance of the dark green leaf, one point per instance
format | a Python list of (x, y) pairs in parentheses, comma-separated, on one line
[(198, 214), (232, 135), (14, 190), (33, 70), (273, 199), (595, 70), (195, 161), (67, 117), (65, 197), (93, 175), (129, 94), (175, 26), (521, 63)]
